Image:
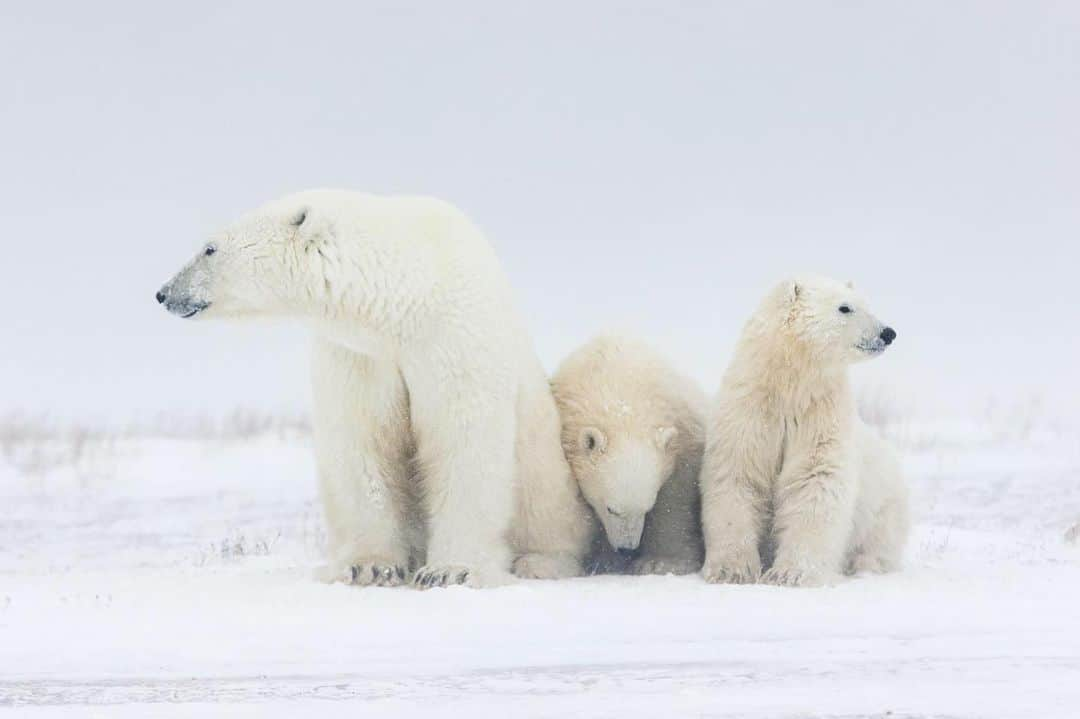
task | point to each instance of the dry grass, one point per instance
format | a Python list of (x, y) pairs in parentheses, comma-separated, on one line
[(241, 423), (36, 444), (237, 547)]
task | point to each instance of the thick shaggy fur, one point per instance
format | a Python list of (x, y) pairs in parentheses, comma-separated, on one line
[(792, 480), (437, 438), (633, 430)]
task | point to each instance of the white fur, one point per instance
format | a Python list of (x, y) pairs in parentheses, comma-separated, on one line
[(791, 476), (633, 431), (437, 439)]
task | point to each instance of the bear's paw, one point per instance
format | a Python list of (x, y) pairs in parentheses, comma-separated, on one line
[(867, 564), (546, 566), (733, 571), (792, 576)]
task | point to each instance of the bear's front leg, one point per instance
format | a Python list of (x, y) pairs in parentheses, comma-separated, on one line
[(882, 515), (731, 521), (740, 457), (362, 440), (814, 508), (464, 423)]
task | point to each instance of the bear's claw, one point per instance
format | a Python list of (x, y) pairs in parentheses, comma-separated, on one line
[(375, 574), (428, 577), (791, 577)]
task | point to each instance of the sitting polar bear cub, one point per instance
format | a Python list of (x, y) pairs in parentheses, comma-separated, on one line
[(436, 435), (791, 476), (633, 430)]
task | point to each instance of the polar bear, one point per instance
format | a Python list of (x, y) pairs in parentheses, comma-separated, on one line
[(791, 476), (436, 434), (634, 431)]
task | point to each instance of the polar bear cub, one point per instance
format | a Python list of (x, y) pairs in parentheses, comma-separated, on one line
[(793, 481), (436, 435), (633, 431)]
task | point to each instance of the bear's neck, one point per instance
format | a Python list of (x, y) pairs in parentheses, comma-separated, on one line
[(354, 336), (784, 372), (365, 294), (367, 322)]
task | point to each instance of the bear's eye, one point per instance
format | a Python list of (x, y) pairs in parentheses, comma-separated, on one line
[(590, 443), (845, 309), (210, 249)]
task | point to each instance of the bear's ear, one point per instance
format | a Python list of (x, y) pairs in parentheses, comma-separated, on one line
[(795, 290), (590, 440), (665, 436), (850, 284), (301, 224), (299, 218)]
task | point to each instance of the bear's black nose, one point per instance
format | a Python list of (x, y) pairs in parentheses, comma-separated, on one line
[(888, 335), (160, 297)]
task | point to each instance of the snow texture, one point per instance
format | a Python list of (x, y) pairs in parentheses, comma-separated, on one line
[(170, 577)]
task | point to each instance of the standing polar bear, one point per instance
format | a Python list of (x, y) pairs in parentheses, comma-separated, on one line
[(436, 435), (791, 476), (634, 432)]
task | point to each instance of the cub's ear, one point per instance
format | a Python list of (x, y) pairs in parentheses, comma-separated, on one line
[(850, 284), (796, 290), (665, 436), (590, 440)]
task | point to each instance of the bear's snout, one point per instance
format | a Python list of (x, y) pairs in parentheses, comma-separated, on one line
[(181, 303), (888, 335), (624, 531)]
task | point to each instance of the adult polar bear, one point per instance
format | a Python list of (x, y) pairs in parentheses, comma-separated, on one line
[(791, 476), (422, 369)]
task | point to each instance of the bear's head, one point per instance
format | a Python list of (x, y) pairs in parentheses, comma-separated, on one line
[(620, 472), (829, 320), (625, 423), (268, 262)]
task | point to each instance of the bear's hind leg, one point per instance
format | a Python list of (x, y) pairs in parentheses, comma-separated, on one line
[(882, 521), (880, 549), (363, 446)]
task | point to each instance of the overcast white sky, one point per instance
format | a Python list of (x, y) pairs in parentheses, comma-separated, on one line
[(651, 166)]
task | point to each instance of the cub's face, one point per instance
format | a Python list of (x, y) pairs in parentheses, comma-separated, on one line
[(833, 319), (620, 473), (260, 265)]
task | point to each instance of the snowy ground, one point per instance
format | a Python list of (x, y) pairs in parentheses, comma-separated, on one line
[(154, 577)]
